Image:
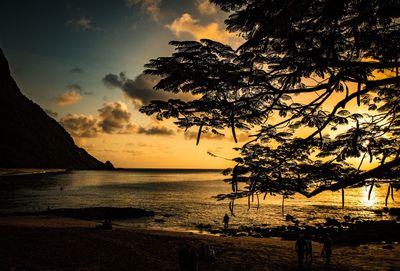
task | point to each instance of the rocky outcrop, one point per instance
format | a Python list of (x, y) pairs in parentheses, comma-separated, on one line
[(29, 138)]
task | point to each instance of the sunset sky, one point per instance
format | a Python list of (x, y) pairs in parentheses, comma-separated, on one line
[(82, 62)]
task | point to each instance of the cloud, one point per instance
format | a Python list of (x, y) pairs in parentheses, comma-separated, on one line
[(81, 24), (155, 130), (76, 69), (113, 116), (151, 7), (75, 87), (51, 113), (81, 125), (79, 89), (68, 98), (187, 24), (140, 90), (192, 135), (205, 7), (129, 129)]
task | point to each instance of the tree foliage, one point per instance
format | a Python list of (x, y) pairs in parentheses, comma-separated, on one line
[(316, 84)]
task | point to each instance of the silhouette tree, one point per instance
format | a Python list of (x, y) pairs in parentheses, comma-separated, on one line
[(316, 84)]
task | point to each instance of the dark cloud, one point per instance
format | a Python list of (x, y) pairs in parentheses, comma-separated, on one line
[(75, 87), (77, 69), (155, 130), (113, 116), (140, 90), (79, 88), (81, 125), (51, 113)]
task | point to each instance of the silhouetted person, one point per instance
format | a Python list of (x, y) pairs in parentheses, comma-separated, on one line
[(188, 259), (184, 258), (206, 253), (327, 249), (300, 248), (308, 248), (193, 260), (226, 221)]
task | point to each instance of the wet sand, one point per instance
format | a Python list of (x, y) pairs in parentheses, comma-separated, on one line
[(53, 243)]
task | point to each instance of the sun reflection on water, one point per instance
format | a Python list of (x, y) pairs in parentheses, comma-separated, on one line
[(373, 198)]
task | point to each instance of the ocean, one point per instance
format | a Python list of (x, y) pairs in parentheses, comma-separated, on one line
[(181, 199)]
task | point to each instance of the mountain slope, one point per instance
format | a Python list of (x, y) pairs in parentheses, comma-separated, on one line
[(29, 138)]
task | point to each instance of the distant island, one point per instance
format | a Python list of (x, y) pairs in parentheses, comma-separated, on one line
[(32, 139)]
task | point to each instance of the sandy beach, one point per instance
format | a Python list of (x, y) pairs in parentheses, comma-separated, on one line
[(54, 243)]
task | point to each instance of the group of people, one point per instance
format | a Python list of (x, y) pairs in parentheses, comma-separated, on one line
[(304, 249), (189, 257)]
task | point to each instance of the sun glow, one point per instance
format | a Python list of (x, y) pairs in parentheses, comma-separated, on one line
[(371, 201)]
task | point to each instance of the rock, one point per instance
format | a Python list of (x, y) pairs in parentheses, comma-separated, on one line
[(108, 165), (347, 217), (378, 212), (32, 139), (244, 228), (394, 211), (388, 247), (231, 232), (385, 209), (159, 220), (289, 217), (256, 235), (105, 225), (203, 226), (375, 231), (332, 222)]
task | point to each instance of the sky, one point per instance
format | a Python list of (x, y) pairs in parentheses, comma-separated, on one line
[(82, 62)]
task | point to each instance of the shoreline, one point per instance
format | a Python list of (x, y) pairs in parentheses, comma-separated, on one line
[(15, 172), (349, 231), (56, 243)]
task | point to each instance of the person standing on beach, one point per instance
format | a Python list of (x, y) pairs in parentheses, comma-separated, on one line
[(308, 248), (184, 258), (188, 259), (226, 221), (193, 259), (327, 249), (300, 248)]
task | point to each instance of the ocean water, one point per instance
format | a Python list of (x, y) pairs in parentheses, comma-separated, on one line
[(182, 198)]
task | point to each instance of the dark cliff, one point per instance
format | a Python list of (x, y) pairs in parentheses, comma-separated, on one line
[(29, 138)]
